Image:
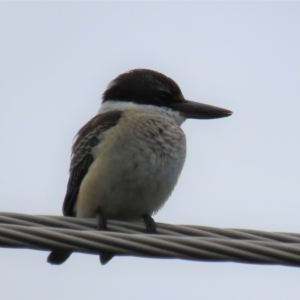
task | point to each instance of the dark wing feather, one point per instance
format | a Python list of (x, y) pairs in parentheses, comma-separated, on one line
[(88, 137), (74, 182)]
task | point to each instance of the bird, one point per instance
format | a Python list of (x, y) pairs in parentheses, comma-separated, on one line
[(127, 159)]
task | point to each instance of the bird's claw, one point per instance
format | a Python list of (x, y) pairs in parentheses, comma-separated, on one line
[(101, 221), (150, 224)]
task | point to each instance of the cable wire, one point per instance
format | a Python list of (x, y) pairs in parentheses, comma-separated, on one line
[(129, 238)]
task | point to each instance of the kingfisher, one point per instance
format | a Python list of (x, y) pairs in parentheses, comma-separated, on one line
[(127, 159)]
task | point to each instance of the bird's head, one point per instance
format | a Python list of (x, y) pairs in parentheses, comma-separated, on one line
[(148, 87)]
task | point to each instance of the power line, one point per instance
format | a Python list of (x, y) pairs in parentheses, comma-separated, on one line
[(129, 238)]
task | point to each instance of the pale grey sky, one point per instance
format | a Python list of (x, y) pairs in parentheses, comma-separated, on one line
[(242, 172)]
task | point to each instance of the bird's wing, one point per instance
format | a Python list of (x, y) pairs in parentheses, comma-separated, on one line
[(87, 138)]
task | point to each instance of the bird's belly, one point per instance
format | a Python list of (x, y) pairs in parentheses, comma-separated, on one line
[(130, 182)]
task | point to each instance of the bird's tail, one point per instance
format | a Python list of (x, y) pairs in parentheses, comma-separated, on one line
[(58, 257), (105, 257)]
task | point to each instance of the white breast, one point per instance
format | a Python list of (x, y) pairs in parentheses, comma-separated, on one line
[(136, 165)]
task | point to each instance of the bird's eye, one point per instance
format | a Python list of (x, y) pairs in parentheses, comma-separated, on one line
[(163, 97)]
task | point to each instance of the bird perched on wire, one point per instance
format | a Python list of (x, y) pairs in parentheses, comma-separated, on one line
[(127, 159)]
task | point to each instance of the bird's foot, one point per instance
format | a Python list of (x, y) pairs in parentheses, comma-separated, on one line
[(104, 257), (101, 221), (150, 224)]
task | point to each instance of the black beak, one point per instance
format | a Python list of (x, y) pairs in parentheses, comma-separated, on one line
[(196, 110)]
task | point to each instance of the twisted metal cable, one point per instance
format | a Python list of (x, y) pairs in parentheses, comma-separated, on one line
[(129, 238)]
